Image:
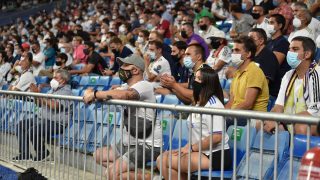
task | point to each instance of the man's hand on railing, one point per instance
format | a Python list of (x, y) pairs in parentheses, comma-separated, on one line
[(88, 96)]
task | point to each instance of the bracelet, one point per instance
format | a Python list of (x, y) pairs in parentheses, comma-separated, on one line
[(191, 148), (95, 94)]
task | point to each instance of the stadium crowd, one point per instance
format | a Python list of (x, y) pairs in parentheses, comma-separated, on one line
[(267, 49)]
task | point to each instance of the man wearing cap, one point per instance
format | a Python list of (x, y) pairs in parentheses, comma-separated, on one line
[(220, 54), (131, 72)]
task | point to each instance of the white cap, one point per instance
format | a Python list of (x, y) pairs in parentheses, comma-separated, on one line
[(218, 34)]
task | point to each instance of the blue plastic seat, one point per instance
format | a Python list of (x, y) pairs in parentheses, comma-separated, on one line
[(75, 81), (222, 83), (104, 81), (42, 79), (268, 156), (45, 89), (5, 87), (115, 81), (76, 92), (183, 127), (227, 85)]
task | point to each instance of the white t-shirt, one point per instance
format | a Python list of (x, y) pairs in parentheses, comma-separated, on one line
[(4, 69), (40, 58), (205, 122), (314, 25), (264, 26), (145, 90), (25, 80), (224, 55), (159, 67), (305, 32), (206, 34), (218, 8)]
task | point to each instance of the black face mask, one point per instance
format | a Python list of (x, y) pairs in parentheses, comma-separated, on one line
[(34, 51), (184, 34), (203, 27), (114, 51), (86, 51), (197, 87), (215, 43), (255, 15), (175, 58), (196, 10), (124, 75), (58, 63)]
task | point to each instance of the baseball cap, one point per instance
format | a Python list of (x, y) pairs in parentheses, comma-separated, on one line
[(218, 34), (25, 46), (134, 60)]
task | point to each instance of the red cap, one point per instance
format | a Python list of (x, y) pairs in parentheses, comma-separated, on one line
[(25, 46)]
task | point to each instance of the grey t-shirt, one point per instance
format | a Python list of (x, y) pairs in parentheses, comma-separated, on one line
[(243, 25)]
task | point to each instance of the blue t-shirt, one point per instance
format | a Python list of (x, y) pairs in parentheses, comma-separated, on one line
[(50, 53)]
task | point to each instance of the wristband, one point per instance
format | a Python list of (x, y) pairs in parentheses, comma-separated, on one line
[(95, 94), (191, 148)]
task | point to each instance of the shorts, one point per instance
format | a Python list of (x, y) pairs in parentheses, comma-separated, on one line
[(216, 160), (130, 156)]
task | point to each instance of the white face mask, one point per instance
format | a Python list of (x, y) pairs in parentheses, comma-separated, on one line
[(296, 22), (122, 29), (270, 29), (236, 60), (141, 21), (152, 55), (140, 40), (103, 31), (54, 84), (318, 41)]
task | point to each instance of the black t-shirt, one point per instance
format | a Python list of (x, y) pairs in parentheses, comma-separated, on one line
[(124, 53), (270, 67), (192, 76), (98, 62)]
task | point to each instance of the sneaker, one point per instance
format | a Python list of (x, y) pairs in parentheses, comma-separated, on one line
[(43, 157), (22, 157)]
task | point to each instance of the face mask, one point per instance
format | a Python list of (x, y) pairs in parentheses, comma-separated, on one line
[(18, 69), (179, 17), (196, 87), (103, 31), (203, 27), (124, 75), (215, 44), (140, 40), (292, 59), (182, 22), (318, 41), (122, 29), (184, 34), (236, 60), (58, 63), (275, 3), (114, 17), (54, 84), (108, 40), (296, 22), (34, 51), (152, 55), (255, 15), (141, 21), (188, 63), (270, 29), (197, 10), (86, 51), (62, 50), (114, 51), (243, 6), (149, 27), (175, 58)]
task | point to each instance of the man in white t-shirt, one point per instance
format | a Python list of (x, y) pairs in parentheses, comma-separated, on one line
[(26, 75), (262, 21), (155, 64), (38, 62), (206, 28), (130, 72), (301, 22), (300, 88)]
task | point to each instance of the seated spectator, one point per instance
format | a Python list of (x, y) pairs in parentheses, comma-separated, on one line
[(220, 9), (18, 51), (283, 8), (178, 54), (118, 50), (206, 28), (258, 13), (49, 53), (301, 22), (249, 87), (5, 67), (96, 64), (61, 60), (26, 77), (52, 121), (156, 65), (38, 62), (207, 93), (201, 11), (265, 58), (242, 23), (187, 32), (193, 60), (9, 50), (78, 54), (141, 42), (247, 6), (130, 72), (162, 25), (220, 55), (299, 90)]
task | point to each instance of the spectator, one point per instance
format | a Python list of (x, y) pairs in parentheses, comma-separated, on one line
[(49, 53), (141, 43), (118, 50), (220, 9), (266, 59), (242, 23), (178, 54), (38, 62), (61, 61), (249, 87), (26, 77), (258, 13), (156, 65), (9, 50), (78, 30), (299, 90), (207, 93), (247, 6), (5, 67), (130, 72), (201, 11), (301, 22), (220, 55), (96, 65), (51, 123), (18, 52), (162, 25), (206, 28), (188, 34), (194, 60), (78, 54), (283, 8)]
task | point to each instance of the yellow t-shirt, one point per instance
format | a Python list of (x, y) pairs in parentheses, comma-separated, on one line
[(251, 77)]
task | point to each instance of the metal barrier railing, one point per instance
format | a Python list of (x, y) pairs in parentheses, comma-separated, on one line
[(64, 133)]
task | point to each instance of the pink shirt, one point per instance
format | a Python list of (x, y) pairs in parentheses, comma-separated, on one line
[(79, 55)]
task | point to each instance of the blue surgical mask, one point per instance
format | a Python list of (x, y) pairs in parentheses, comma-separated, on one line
[(244, 6), (188, 63), (62, 50), (292, 59), (275, 2), (152, 55)]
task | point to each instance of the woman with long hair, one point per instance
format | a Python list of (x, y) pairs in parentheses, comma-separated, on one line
[(207, 92)]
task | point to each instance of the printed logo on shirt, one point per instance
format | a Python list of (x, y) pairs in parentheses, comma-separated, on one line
[(157, 69)]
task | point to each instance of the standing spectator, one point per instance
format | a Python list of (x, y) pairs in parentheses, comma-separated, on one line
[(283, 8), (38, 62), (78, 54), (242, 23), (300, 89), (118, 50), (266, 59), (49, 53), (301, 22), (207, 93), (249, 87), (206, 28), (220, 55), (96, 63)]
